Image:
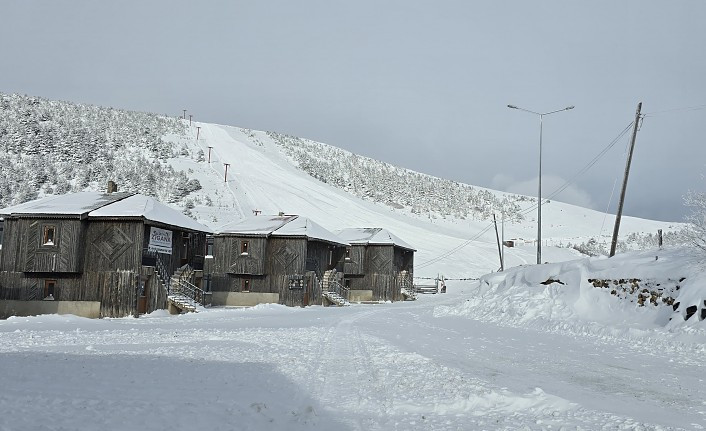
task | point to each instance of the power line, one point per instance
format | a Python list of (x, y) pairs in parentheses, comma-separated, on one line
[(675, 110), (532, 207)]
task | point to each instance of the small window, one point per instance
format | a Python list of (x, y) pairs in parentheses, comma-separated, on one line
[(348, 253), (246, 286), (347, 283), (209, 246), (244, 247), (49, 236), (49, 289)]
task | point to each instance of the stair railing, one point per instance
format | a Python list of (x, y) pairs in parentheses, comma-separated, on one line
[(191, 291), (339, 289)]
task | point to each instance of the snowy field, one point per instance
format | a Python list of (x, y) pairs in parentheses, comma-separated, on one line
[(443, 362)]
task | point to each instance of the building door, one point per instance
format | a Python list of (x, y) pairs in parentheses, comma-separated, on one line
[(185, 246), (307, 291)]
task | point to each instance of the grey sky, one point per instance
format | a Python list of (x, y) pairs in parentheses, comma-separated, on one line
[(420, 84)]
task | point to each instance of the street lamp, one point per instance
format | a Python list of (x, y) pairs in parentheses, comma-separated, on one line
[(539, 193)]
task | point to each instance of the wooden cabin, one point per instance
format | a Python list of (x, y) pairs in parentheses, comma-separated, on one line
[(93, 254), (271, 259), (377, 264)]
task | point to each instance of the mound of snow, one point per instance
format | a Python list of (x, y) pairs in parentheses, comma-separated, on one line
[(633, 291)]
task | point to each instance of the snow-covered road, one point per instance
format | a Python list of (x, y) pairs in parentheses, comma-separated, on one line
[(387, 367)]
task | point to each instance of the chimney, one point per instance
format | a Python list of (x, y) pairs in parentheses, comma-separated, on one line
[(281, 213), (112, 187)]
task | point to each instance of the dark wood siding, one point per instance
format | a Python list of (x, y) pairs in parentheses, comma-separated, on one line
[(116, 290), (356, 264), (229, 258), (380, 270), (24, 249), (113, 245), (287, 256)]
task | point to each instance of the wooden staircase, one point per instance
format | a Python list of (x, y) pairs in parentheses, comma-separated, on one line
[(183, 296), (333, 291), (407, 286)]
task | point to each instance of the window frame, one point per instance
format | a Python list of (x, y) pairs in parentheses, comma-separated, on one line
[(245, 285), (49, 289), (244, 246), (48, 241)]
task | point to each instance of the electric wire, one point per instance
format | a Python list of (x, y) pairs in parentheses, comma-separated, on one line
[(531, 208), (675, 110)]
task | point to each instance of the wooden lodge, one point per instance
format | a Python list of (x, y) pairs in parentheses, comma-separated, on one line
[(94, 254), (377, 265), (272, 259)]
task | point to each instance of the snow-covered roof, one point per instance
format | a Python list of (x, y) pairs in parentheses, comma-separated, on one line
[(372, 236), (150, 209), (104, 205), (288, 225), (68, 205)]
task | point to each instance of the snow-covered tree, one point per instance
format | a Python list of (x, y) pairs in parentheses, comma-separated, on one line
[(696, 234)]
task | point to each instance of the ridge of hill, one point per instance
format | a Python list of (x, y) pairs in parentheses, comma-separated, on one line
[(66, 147)]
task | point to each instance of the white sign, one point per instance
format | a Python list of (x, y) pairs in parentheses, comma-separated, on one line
[(160, 240)]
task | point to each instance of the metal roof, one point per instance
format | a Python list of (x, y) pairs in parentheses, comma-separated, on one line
[(372, 236), (69, 205), (104, 205), (287, 225)]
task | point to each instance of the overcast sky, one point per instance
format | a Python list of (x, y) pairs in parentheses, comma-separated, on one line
[(420, 84)]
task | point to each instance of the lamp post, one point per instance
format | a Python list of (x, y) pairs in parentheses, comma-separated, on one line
[(539, 193)]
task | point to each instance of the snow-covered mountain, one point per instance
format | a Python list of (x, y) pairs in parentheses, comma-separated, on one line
[(70, 147)]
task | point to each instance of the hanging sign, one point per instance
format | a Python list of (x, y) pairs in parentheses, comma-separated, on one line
[(160, 240)]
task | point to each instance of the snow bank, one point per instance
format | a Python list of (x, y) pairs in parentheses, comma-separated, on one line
[(637, 291)]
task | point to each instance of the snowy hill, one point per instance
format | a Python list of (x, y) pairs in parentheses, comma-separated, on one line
[(271, 173), (75, 147)]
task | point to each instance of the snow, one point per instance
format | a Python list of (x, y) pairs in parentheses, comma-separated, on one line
[(462, 360), (503, 352), (69, 204), (287, 225), (376, 236), (149, 209), (262, 178), (104, 205)]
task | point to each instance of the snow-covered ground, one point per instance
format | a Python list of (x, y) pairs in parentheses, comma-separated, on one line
[(501, 353)]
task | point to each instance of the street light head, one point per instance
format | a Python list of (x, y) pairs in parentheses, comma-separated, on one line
[(515, 107)]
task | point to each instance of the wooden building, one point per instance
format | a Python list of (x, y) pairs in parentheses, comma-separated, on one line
[(93, 254), (271, 259), (377, 264)]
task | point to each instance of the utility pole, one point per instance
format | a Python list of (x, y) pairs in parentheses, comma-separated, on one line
[(190, 119), (209, 154), (225, 177), (198, 130), (184, 116), (500, 252), (502, 241), (614, 243)]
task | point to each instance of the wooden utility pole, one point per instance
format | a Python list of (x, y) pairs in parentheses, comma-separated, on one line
[(184, 116), (198, 131), (500, 252), (209, 154), (614, 243), (225, 177), (190, 119)]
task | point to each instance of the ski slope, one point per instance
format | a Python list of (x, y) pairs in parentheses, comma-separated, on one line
[(261, 178)]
